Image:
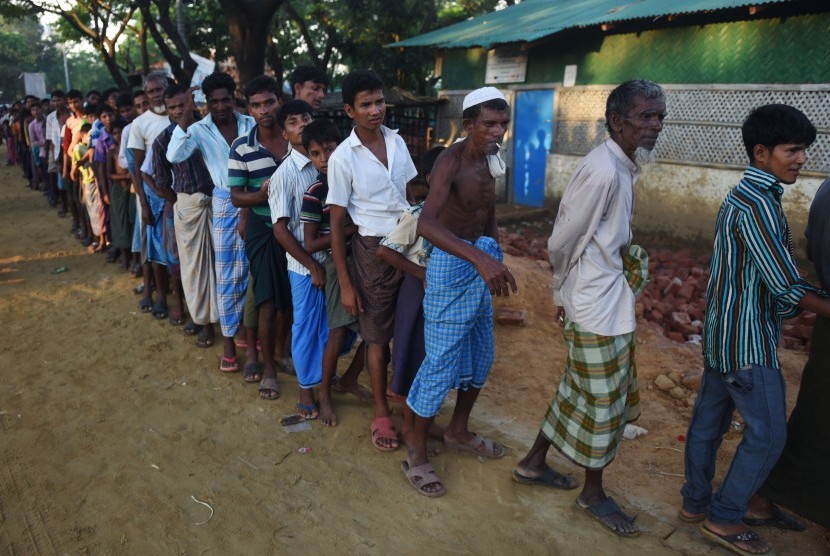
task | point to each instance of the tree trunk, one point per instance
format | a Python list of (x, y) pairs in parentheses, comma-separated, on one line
[(249, 25)]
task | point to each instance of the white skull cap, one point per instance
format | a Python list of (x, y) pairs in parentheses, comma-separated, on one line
[(482, 95)]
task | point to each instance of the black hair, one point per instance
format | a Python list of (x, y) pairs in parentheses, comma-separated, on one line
[(776, 124), (103, 107), (58, 93), (74, 93), (86, 126), (623, 98), (119, 123), (301, 74), (428, 161), (359, 81), (321, 132), (218, 80), (240, 102), (89, 109), (292, 108), (124, 99), (472, 112), (93, 92), (262, 84), (173, 90), (108, 92)]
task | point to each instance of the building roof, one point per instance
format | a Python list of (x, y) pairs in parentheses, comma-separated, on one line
[(534, 19)]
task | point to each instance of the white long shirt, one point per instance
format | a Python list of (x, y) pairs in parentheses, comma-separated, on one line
[(592, 227)]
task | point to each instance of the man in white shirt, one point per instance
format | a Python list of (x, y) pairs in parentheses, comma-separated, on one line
[(368, 173), (54, 122), (598, 393), (143, 132)]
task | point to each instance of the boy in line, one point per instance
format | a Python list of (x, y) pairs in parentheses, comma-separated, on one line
[(305, 273), (320, 139), (253, 159), (118, 188), (753, 285), (368, 173)]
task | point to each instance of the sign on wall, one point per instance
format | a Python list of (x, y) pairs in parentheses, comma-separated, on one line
[(506, 65)]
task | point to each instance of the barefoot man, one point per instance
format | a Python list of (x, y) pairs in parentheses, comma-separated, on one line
[(465, 269), (598, 392)]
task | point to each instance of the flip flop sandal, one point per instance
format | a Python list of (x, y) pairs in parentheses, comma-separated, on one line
[(160, 312), (204, 343), (549, 478), (176, 319), (269, 385), (779, 519), (229, 364), (252, 372), (728, 541), (608, 507), (384, 427), (145, 304), (192, 329), (312, 411), (421, 476)]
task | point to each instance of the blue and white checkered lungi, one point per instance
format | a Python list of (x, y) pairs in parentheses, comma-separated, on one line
[(458, 329), (231, 263)]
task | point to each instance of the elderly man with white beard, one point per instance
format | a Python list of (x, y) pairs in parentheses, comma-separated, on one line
[(593, 289)]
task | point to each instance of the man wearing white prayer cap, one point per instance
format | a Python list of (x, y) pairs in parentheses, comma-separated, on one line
[(465, 270)]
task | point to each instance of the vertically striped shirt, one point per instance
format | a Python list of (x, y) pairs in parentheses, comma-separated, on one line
[(285, 197), (753, 280), (249, 164)]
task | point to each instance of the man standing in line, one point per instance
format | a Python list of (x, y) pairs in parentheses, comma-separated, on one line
[(213, 136), (598, 393), (465, 270), (143, 132), (309, 84)]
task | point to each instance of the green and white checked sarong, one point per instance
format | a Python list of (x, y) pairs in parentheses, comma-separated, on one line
[(597, 396)]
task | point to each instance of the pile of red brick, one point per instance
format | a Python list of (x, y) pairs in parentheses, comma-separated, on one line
[(676, 299)]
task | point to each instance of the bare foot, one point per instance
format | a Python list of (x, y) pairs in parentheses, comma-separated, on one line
[(327, 416)]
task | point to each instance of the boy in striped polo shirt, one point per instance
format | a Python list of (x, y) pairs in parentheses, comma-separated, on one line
[(253, 158), (753, 285)]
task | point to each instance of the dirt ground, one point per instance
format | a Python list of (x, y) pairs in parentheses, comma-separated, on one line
[(114, 427)]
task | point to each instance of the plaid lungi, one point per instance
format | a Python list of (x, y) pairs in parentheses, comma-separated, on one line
[(597, 396), (231, 263), (458, 329)]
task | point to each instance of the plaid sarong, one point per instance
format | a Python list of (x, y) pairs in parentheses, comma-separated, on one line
[(231, 263), (458, 329), (597, 396)]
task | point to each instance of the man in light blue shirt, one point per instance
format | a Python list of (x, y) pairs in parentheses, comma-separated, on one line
[(213, 136)]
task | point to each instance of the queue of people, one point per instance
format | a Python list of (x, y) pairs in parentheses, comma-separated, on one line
[(300, 244)]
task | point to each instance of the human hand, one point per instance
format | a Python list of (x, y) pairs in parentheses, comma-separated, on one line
[(497, 276), (318, 275), (559, 315), (350, 300)]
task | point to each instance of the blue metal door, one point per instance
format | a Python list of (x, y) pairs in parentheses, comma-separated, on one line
[(532, 135)]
